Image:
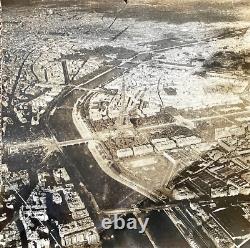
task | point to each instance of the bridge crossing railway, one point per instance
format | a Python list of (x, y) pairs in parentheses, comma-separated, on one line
[(168, 205), (125, 211)]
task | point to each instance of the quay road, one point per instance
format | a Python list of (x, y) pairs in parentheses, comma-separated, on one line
[(96, 148)]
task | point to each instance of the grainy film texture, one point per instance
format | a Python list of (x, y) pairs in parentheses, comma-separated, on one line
[(125, 124)]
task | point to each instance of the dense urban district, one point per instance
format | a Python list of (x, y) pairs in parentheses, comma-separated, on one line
[(113, 109)]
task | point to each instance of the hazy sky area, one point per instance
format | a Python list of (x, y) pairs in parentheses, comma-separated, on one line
[(153, 2), (160, 10)]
